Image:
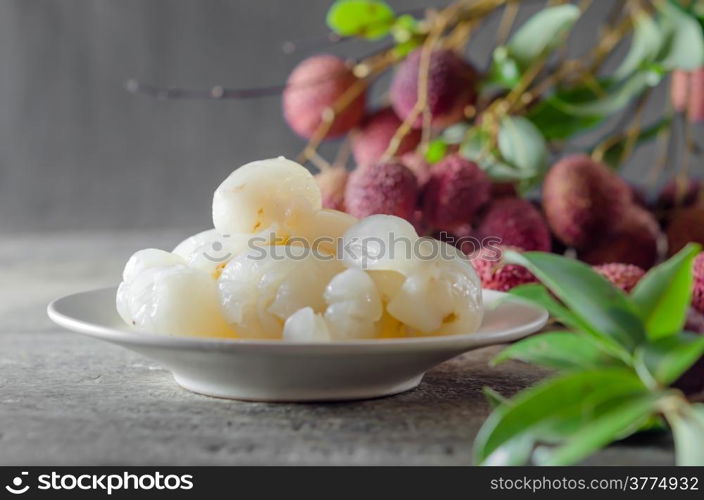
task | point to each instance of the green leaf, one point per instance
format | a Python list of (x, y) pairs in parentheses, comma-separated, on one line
[(541, 33), (504, 71), (688, 428), (436, 151), (664, 293), (618, 96), (614, 420), (559, 351), (522, 145), (455, 134), (557, 124), (365, 18), (549, 410), (685, 44), (668, 358), (613, 156), (648, 40), (495, 399), (588, 295)]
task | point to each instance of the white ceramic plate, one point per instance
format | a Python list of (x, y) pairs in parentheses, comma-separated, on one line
[(273, 370)]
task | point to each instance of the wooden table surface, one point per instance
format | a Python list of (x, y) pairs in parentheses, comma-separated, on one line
[(67, 399)]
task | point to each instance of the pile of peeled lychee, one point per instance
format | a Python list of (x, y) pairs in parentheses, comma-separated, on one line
[(583, 208)]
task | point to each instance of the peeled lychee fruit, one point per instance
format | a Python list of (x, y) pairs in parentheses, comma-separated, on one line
[(632, 240), (372, 138), (313, 88), (385, 188), (582, 199), (517, 223), (686, 225), (451, 87), (456, 190), (495, 274), (624, 276), (332, 182), (698, 291)]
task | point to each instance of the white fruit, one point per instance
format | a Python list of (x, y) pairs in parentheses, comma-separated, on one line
[(441, 295), (263, 193), (161, 294), (259, 290), (305, 325), (323, 231), (380, 243), (354, 305)]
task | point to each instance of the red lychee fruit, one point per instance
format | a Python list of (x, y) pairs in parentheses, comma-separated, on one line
[(679, 90), (698, 290), (371, 139), (624, 276), (632, 240), (583, 198), (419, 166), (686, 225), (497, 275), (516, 222), (382, 188), (450, 87), (695, 106), (456, 190), (462, 237), (313, 87), (332, 182)]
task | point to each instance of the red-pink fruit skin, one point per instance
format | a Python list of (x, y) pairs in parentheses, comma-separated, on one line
[(456, 190), (385, 188), (698, 291), (315, 85), (695, 106), (371, 140), (332, 183), (679, 90), (634, 240), (624, 276), (517, 223), (451, 87), (583, 199), (494, 274), (419, 166)]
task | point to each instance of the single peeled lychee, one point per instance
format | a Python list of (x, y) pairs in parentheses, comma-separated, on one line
[(517, 223), (451, 85), (456, 190), (698, 291), (624, 276), (332, 183), (686, 225), (372, 138), (313, 88), (383, 188), (497, 275), (632, 240), (582, 199)]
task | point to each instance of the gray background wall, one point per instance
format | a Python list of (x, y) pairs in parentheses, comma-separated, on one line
[(78, 152)]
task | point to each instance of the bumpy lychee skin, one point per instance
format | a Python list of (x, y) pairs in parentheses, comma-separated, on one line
[(624, 276), (495, 274), (583, 198), (451, 87), (686, 225), (456, 190), (698, 291), (517, 223), (633, 240), (383, 188), (332, 183), (371, 139), (312, 88)]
